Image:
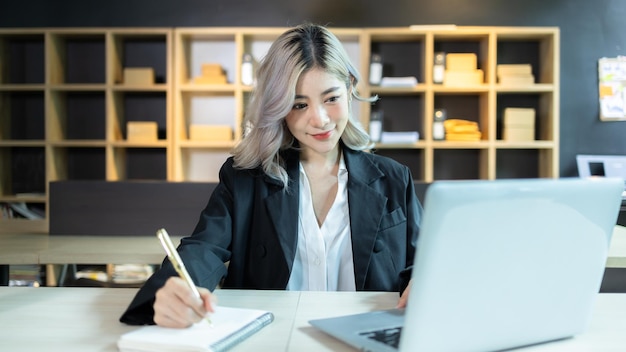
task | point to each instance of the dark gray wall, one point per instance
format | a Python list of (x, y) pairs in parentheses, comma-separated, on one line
[(589, 30)]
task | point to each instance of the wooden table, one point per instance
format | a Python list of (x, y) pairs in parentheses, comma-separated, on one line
[(86, 319), (45, 249), (16, 249)]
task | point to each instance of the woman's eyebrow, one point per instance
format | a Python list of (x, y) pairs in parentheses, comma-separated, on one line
[(329, 90)]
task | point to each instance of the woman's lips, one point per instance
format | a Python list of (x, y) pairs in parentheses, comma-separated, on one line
[(323, 136)]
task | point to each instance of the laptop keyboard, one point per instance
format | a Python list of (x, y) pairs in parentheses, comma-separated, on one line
[(389, 337)]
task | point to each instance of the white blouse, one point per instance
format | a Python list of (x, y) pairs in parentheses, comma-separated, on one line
[(324, 260)]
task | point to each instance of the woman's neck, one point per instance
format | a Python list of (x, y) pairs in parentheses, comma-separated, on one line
[(317, 162)]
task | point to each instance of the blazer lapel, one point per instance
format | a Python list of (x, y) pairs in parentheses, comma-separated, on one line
[(283, 209), (364, 220)]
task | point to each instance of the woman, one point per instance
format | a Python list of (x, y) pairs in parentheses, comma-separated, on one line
[(300, 205)]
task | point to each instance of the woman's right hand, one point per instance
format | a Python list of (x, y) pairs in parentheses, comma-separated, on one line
[(177, 307)]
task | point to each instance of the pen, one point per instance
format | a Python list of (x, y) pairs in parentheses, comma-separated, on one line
[(177, 262)]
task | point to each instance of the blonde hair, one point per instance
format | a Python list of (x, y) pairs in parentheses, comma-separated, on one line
[(297, 50)]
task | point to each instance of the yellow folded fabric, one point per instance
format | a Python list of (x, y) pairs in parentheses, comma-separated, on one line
[(462, 129), (474, 136), (453, 123)]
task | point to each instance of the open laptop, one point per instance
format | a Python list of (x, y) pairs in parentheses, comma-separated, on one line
[(499, 264)]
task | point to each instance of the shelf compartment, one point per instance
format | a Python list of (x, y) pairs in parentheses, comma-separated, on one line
[(77, 163), (25, 170), (460, 164), (138, 106), (22, 57), (76, 57), (466, 106), (540, 49), (195, 48), (257, 45), (22, 116), (412, 158), (402, 113), (138, 164), (519, 163), (140, 50), (207, 108), (544, 109), (402, 54), (77, 115), (202, 164), (477, 43)]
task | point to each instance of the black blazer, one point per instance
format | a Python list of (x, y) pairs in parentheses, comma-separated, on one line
[(252, 223)]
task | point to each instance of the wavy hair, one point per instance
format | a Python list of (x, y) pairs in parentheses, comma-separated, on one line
[(297, 50)]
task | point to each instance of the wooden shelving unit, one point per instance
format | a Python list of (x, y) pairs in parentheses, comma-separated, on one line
[(413, 108), (64, 105), (65, 108)]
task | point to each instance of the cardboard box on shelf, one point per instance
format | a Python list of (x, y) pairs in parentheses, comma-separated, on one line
[(516, 80), (461, 62), (211, 73), (515, 74), (210, 80), (220, 133), (211, 70), (463, 78), (514, 69), (138, 76), (519, 117), (519, 124), (518, 134), (141, 131)]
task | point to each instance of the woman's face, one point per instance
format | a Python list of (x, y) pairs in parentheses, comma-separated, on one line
[(320, 111)]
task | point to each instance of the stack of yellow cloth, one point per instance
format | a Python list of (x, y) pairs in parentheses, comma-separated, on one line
[(461, 130)]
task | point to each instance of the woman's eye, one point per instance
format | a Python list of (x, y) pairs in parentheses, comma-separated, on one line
[(299, 106), (333, 99)]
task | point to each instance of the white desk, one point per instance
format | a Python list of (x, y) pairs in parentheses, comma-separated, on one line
[(617, 250), (86, 319)]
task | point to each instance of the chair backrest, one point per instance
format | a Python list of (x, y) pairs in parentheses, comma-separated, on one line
[(133, 208), (136, 208)]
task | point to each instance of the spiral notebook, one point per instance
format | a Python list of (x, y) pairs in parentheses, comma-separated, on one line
[(229, 326)]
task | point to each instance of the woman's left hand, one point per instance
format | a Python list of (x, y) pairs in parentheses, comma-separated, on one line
[(404, 298)]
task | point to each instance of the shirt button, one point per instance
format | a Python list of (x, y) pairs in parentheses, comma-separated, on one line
[(317, 261)]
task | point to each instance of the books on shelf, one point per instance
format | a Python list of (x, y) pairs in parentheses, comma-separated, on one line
[(399, 137), (21, 210), (25, 275), (131, 273), (229, 326), (399, 82), (515, 74)]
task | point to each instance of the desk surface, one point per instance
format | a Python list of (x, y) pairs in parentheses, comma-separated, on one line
[(86, 319), (617, 250)]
